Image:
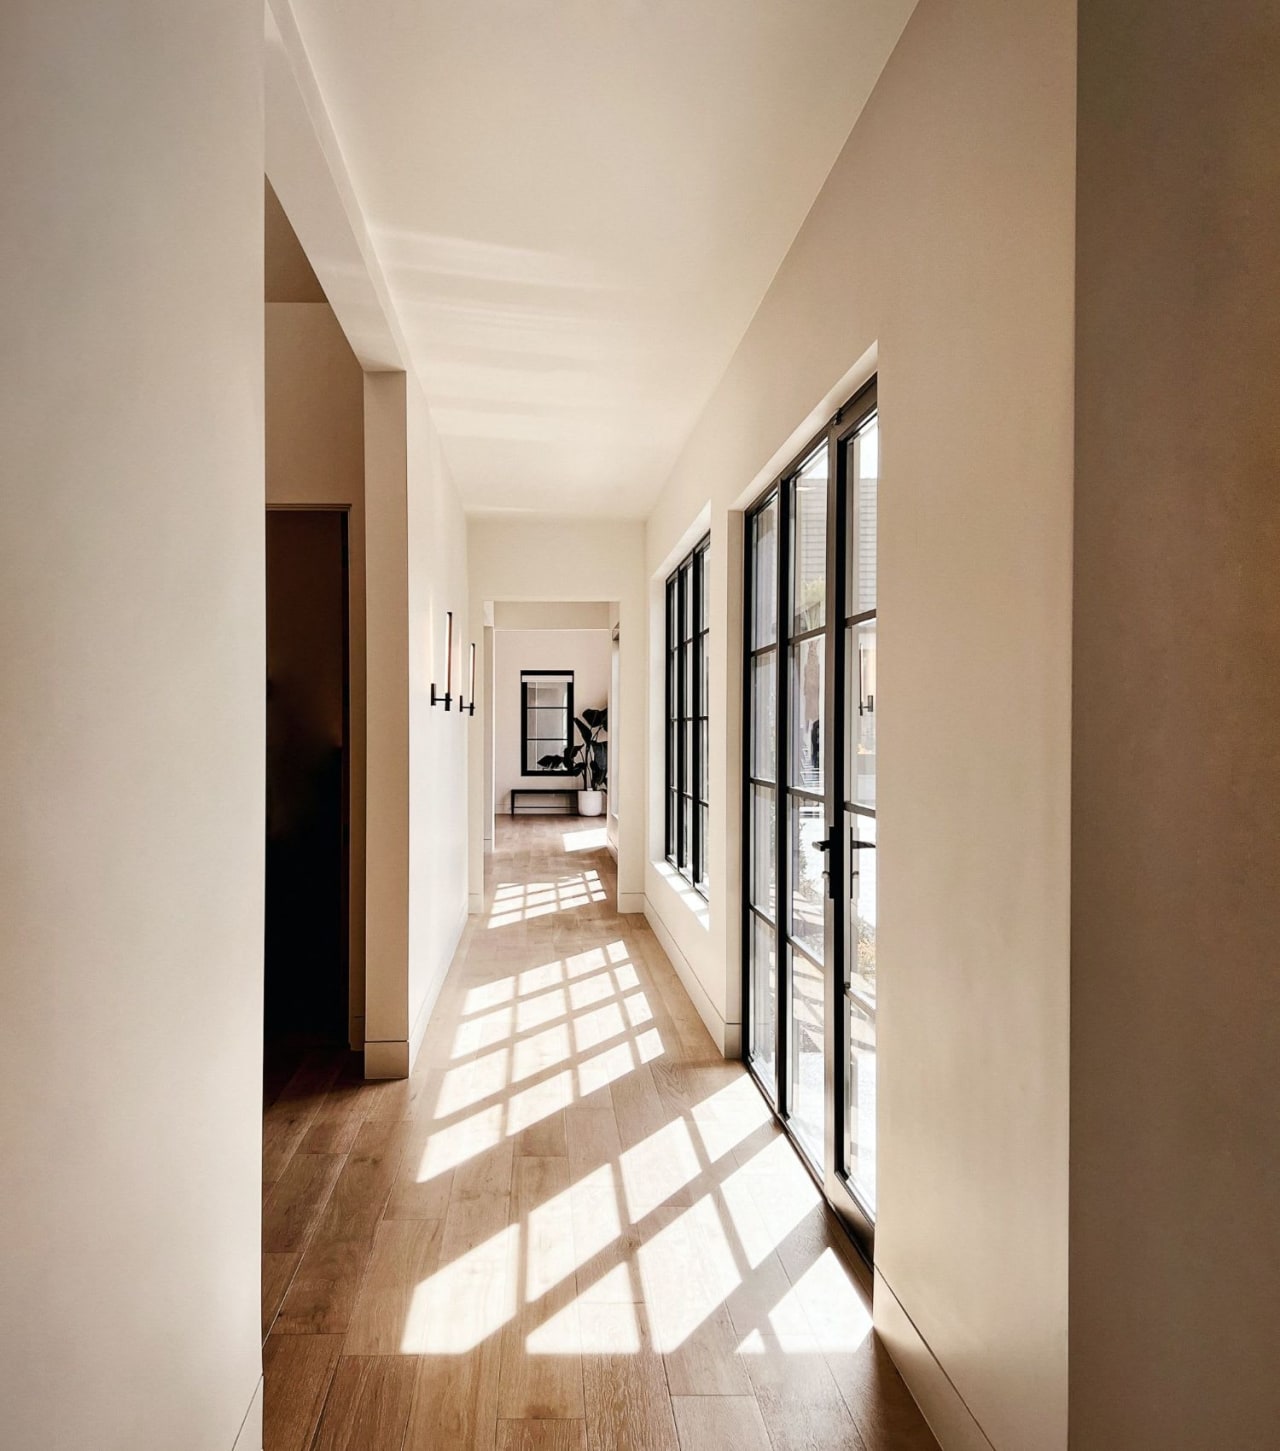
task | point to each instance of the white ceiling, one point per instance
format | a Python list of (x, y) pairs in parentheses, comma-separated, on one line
[(578, 205)]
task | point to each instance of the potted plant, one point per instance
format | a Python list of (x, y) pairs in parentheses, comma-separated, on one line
[(589, 760)]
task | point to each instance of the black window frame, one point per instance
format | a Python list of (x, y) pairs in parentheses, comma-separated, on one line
[(846, 423), (685, 788), (526, 677)]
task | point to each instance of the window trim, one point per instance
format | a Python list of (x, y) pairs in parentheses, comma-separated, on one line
[(685, 641), (525, 677)]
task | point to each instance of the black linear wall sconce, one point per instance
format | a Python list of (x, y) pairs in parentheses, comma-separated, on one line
[(446, 699), (464, 705)]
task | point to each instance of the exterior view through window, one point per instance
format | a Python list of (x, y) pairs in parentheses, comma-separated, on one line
[(810, 804), (686, 749)]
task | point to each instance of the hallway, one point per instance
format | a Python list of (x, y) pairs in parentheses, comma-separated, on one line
[(574, 1227)]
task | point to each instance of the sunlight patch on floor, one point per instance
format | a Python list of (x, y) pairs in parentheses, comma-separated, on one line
[(597, 1025), (832, 1304), (453, 1144), (539, 1101), (550, 1259), (657, 1168), (489, 995), (466, 1301), (605, 1068), (524, 902), (687, 1271), (485, 1076), (539, 1008), (544, 1049)]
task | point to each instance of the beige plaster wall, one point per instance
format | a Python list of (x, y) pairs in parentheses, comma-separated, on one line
[(131, 726), (1175, 993), (940, 255)]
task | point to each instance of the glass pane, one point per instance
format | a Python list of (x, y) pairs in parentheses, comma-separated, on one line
[(704, 579), (671, 614), (809, 550), (673, 816), (764, 716), (808, 1055), (700, 785), (764, 583), (862, 473), (808, 668), (860, 730), (861, 967), (704, 675), (808, 885), (764, 850), (860, 1103), (686, 837), (764, 1003), (686, 601), (686, 759), (702, 846)]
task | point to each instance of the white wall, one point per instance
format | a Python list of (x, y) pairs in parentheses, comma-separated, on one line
[(440, 742), (131, 732), (940, 254), (586, 653), (519, 560), (417, 812)]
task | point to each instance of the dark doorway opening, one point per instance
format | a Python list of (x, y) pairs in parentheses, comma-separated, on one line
[(308, 780)]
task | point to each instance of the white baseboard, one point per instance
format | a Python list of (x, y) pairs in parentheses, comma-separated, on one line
[(432, 996), (630, 903), (726, 1036), (395, 1057), (250, 1437), (949, 1419)]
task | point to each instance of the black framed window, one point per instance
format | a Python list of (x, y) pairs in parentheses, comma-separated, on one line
[(546, 720), (687, 734), (810, 699)]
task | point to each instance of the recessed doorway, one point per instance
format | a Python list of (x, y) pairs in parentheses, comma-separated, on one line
[(308, 779)]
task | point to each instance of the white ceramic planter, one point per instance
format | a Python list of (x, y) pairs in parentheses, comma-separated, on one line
[(590, 803)]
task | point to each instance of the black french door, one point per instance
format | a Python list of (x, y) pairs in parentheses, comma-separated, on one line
[(810, 805)]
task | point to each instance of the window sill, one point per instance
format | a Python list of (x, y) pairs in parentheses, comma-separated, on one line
[(693, 902)]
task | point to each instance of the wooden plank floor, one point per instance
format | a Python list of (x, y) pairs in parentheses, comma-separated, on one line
[(575, 1228)]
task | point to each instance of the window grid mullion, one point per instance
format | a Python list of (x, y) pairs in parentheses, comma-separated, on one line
[(685, 766)]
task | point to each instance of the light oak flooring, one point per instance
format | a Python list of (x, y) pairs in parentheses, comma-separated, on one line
[(575, 1228)]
